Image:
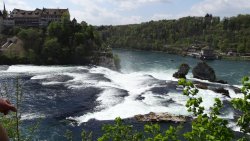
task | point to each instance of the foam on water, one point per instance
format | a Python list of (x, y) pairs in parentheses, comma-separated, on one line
[(135, 84), (121, 92), (52, 83), (37, 69), (234, 126), (233, 94), (229, 115), (30, 116), (109, 98), (139, 84), (40, 77), (162, 75)]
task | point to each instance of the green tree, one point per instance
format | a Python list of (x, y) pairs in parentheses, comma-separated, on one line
[(241, 48), (206, 126), (152, 132), (55, 29), (224, 44), (243, 104), (52, 51), (32, 39)]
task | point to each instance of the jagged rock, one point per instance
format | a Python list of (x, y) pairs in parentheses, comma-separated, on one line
[(221, 81), (236, 90), (222, 91), (182, 72), (201, 86), (160, 117), (204, 72)]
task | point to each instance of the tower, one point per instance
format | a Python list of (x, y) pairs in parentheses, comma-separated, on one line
[(5, 13), (1, 21)]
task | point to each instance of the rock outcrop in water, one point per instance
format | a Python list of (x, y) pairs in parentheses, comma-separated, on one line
[(107, 62), (182, 72), (104, 59), (204, 71), (160, 117), (201, 86), (222, 91)]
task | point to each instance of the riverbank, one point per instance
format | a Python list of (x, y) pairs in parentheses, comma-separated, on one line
[(236, 58), (224, 57)]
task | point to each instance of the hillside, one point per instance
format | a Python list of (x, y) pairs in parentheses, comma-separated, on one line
[(61, 43), (221, 34)]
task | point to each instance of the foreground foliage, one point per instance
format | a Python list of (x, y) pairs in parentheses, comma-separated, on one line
[(12, 122), (243, 104), (206, 126), (152, 132)]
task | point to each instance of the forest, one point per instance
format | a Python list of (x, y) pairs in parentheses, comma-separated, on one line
[(230, 33)]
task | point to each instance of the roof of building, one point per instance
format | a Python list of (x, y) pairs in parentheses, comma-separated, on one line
[(19, 13), (47, 11)]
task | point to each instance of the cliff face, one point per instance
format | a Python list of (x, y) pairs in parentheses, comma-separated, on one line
[(107, 62)]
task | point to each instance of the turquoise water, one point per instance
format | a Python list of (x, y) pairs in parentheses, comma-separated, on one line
[(158, 62)]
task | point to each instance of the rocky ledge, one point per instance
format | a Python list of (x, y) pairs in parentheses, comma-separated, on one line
[(182, 72), (161, 117), (104, 59)]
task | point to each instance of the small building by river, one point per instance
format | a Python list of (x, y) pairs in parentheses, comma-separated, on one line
[(207, 54)]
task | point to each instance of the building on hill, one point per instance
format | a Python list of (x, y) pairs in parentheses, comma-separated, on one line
[(33, 18), (207, 54)]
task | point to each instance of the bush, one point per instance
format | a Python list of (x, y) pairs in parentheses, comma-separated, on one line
[(12, 122)]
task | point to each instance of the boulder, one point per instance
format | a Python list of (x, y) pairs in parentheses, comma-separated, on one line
[(161, 117), (204, 72), (201, 86), (222, 91), (182, 72)]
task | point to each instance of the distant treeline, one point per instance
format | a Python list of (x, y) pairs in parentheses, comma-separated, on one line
[(229, 33), (64, 42)]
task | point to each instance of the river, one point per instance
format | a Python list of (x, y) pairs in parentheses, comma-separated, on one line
[(92, 96)]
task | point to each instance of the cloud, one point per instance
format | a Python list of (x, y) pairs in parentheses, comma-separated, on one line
[(220, 7), (162, 16), (116, 12), (57, 1), (133, 4), (11, 4), (94, 13), (105, 18)]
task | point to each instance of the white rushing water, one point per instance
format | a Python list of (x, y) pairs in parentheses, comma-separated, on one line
[(138, 83), (119, 97)]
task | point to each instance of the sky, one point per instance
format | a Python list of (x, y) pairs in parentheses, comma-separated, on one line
[(120, 12)]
